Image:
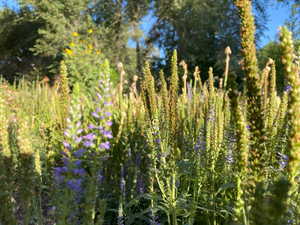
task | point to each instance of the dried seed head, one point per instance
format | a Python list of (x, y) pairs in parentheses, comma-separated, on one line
[(228, 51)]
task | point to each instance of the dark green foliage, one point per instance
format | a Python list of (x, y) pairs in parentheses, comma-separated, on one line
[(200, 31)]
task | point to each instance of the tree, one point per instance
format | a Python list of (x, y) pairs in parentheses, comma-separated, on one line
[(199, 29), (44, 28), (60, 19), (17, 36)]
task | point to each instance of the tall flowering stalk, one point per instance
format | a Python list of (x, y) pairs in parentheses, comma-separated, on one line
[(6, 169), (149, 90), (99, 135), (150, 103), (64, 98), (173, 95), (29, 169), (272, 108), (293, 80), (86, 148), (241, 162), (164, 101), (253, 84), (69, 175)]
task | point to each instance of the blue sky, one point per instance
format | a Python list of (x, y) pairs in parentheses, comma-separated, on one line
[(278, 13)]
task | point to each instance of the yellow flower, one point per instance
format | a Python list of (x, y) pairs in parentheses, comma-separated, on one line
[(90, 31), (72, 44), (90, 46), (75, 34), (68, 51), (98, 52)]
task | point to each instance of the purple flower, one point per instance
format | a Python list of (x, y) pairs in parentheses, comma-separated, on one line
[(79, 131), (109, 123), (79, 172), (107, 103), (78, 124), (197, 147), (60, 170), (77, 163), (92, 126), (90, 137), (58, 174), (66, 133), (75, 184), (79, 152), (108, 114), (88, 143), (65, 160), (105, 145), (67, 145), (107, 134), (99, 96), (288, 88), (78, 139), (94, 114)]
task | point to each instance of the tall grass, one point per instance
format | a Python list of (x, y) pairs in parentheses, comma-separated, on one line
[(174, 151)]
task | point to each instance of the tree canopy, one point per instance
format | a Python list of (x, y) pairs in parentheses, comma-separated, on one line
[(200, 30)]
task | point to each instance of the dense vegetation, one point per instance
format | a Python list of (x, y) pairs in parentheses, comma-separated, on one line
[(95, 148)]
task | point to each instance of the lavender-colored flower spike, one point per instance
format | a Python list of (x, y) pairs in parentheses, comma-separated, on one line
[(88, 143), (99, 96), (79, 131), (67, 134), (75, 184), (105, 145), (92, 126), (107, 134), (79, 172), (77, 163), (79, 153), (90, 137), (95, 114), (67, 145), (108, 114), (78, 140)]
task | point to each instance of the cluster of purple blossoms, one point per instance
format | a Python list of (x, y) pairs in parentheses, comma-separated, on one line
[(71, 173), (100, 128), (288, 88), (84, 143)]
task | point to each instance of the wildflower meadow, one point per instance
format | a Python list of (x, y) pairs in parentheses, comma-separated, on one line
[(160, 149)]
